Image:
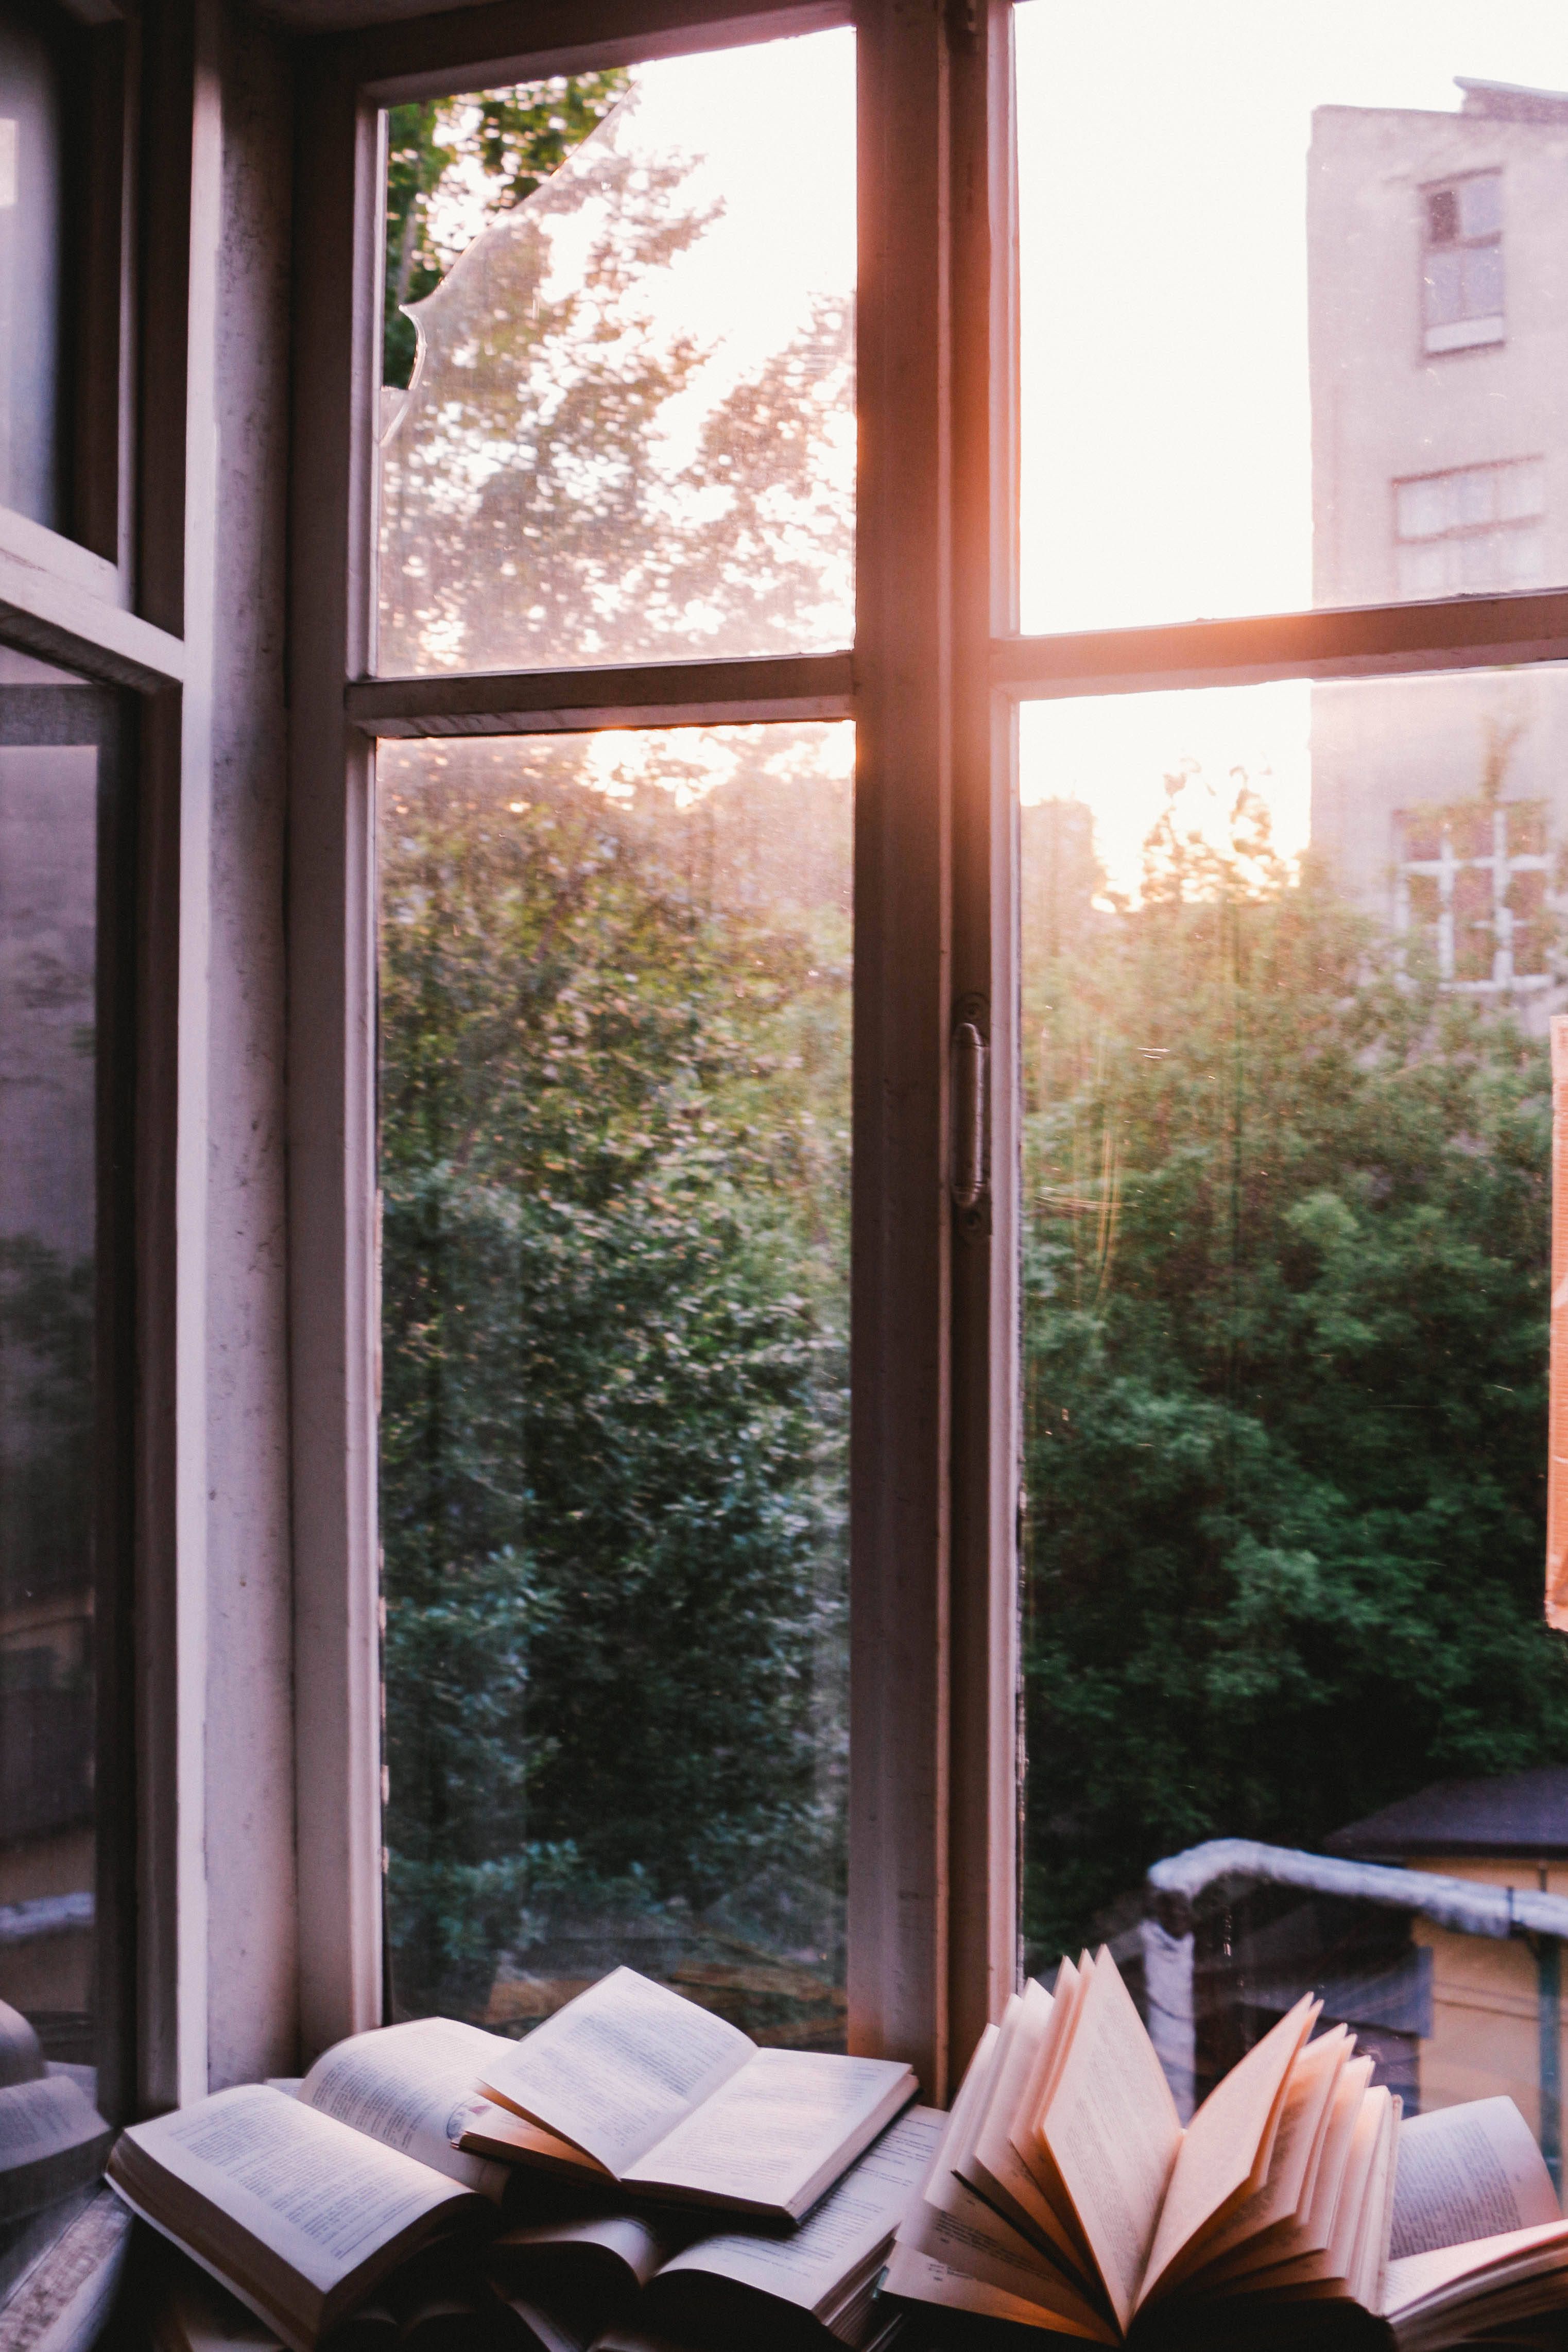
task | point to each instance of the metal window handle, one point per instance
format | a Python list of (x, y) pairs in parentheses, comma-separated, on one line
[(970, 1055)]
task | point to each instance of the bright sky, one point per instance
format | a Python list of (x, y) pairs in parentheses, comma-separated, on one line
[(1162, 149)]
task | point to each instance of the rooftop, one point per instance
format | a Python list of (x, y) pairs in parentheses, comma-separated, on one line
[(1509, 101), (1523, 1813)]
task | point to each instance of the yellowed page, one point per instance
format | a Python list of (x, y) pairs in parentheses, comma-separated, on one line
[(969, 2265), (1224, 2152), (1314, 2080), (1305, 2257), (1024, 2132), (483, 2129), (1112, 2132), (809, 2266), (1450, 2274), (618, 2067), (990, 2163), (1467, 2172), (777, 2133), (408, 2085)]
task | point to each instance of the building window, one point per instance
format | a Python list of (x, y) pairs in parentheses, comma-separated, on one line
[(1461, 272), (1472, 531), (1472, 882)]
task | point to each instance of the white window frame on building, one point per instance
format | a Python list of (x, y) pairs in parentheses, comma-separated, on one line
[(1463, 304), (1500, 864), (1472, 530)]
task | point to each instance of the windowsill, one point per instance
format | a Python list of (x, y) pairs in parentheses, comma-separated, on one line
[(67, 2293), (1464, 335)]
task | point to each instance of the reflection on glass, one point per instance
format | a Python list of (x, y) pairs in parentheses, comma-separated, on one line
[(614, 1139), (630, 428), (1289, 953), (1279, 295), (33, 98), (56, 776)]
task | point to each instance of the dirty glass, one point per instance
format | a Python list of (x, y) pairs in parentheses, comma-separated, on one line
[(61, 805), (1274, 267), (618, 413), (1289, 952), (615, 1169)]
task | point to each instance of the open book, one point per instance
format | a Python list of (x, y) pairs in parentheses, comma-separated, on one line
[(632, 2084), (573, 2284), (1479, 2241), (1066, 2195), (300, 2214)]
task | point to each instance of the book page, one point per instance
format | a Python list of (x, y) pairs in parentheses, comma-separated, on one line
[(1308, 2097), (988, 2158), (480, 2128), (618, 2067), (1467, 2172), (1112, 2132), (512, 2260), (407, 2087), (1445, 2272), (1228, 2140), (766, 2134), (942, 2259), (852, 2222), (43, 2117), (318, 2196)]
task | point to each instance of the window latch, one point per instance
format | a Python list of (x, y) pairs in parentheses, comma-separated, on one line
[(970, 1057)]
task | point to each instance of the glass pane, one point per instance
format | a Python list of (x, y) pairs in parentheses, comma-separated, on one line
[(1286, 1263), (61, 1475), (1222, 435), (630, 430), (614, 1138), (33, 116)]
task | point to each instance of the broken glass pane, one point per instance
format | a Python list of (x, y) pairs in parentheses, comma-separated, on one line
[(629, 429)]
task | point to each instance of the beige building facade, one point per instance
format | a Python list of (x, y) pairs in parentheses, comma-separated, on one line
[(1438, 273)]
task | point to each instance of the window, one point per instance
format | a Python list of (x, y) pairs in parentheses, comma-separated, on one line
[(1478, 529), (1461, 267), (1291, 936), (1473, 883), (1212, 824), (65, 1430), (614, 1081)]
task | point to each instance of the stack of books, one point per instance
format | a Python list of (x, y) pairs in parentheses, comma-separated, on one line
[(638, 2174)]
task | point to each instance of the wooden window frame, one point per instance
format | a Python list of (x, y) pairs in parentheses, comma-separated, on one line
[(932, 684), (121, 604), (933, 1804)]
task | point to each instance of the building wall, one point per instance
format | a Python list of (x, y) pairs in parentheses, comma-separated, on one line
[(1486, 2018), (1384, 410)]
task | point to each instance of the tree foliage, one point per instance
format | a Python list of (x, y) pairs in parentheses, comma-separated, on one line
[(614, 1407), (1285, 1268), (569, 481)]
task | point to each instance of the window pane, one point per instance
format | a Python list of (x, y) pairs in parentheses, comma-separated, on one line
[(1272, 304), (1480, 205), (615, 1117), (1286, 1261), (630, 430), (63, 1845), (34, 99)]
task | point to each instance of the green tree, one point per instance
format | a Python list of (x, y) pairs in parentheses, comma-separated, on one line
[(615, 1391), (1285, 1269), (511, 139)]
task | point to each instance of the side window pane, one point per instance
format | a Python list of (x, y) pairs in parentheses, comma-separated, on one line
[(65, 1839), (614, 1150), (1286, 1262), (619, 417)]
